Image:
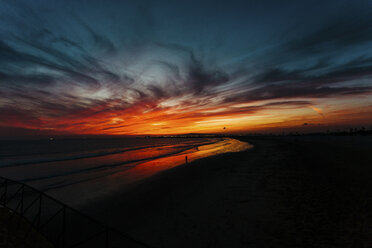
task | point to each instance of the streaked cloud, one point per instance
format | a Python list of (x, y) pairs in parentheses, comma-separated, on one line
[(152, 69)]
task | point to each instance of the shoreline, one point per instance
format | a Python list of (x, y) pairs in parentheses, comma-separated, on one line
[(99, 176), (180, 169), (281, 193)]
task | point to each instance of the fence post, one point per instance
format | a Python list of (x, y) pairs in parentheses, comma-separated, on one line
[(107, 237), (66, 239), (22, 196), (39, 212), (63, 226)]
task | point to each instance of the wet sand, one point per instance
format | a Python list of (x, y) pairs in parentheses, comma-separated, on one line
[(285, 192), (80, 178)]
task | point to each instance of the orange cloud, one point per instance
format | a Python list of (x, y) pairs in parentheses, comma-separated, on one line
[(318, 110)]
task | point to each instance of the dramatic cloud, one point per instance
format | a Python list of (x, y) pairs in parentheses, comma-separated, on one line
[(152, 68)]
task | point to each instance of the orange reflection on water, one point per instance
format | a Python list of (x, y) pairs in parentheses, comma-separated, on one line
[(127, 168), (149, 168)]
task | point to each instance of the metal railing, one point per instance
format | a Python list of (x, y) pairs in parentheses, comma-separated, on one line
[(60, 224)]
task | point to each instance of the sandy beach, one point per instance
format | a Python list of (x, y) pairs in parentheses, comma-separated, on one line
[(187, 124), (285, 192)]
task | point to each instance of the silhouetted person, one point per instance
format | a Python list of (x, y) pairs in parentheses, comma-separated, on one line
[(186, 159)]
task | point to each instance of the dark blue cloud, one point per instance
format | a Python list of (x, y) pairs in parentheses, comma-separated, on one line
[(85, 53)]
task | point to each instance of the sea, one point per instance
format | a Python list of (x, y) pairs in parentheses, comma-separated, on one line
[(80, 171)]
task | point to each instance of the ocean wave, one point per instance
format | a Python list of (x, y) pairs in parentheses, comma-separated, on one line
[(128, 163)]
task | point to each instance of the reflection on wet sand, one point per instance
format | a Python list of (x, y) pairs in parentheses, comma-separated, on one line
[(123, 177), (149, 168), (79, 181)]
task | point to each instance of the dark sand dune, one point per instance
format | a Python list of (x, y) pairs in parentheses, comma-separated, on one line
[(15, 232), (286, 192)]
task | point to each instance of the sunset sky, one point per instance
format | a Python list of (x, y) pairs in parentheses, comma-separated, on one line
[(171, 67)]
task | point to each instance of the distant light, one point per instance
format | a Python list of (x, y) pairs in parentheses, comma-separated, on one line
[(51, 139)]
